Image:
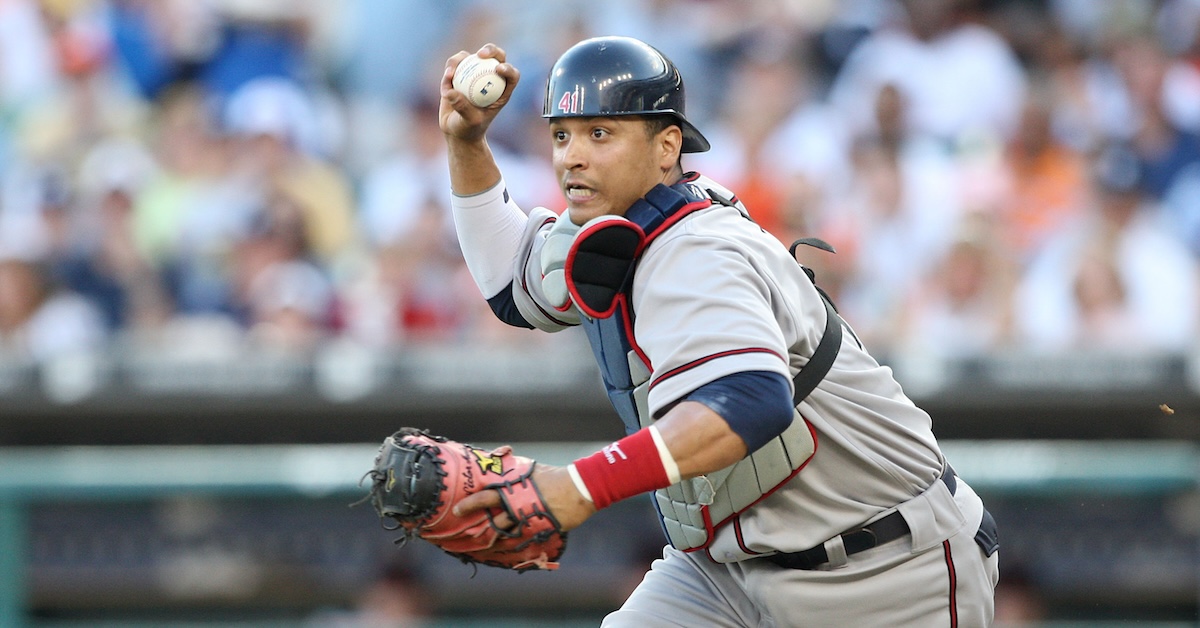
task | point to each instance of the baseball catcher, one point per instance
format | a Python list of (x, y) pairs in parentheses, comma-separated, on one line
[(724, 362), (419, 479)]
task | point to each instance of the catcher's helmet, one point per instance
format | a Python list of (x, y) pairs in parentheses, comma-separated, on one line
[(618, 76)]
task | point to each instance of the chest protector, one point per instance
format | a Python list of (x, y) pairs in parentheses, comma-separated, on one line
[(599, 276)]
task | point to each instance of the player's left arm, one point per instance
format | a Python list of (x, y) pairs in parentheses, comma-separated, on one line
[(692, 439), (698, 439)]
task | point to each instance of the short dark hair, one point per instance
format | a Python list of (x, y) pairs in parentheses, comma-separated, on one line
[(656, 124)]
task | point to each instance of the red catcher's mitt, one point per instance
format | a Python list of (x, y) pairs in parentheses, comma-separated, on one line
[(418, 477)]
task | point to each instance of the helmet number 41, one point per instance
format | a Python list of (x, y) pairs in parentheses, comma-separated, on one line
[(569, 103)]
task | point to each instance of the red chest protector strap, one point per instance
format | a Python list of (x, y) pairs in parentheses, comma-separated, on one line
[(600, 263)]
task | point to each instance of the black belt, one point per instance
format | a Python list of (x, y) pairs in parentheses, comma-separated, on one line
[(861, 539)]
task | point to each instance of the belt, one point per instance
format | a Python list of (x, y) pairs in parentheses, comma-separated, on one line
[(874, 534)]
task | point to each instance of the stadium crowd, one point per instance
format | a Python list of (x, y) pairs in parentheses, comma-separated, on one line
[(994, 173)]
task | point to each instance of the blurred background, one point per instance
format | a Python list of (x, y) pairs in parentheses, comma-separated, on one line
[(227, 270)]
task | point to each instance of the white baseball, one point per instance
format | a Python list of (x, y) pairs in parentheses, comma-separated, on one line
[(476, 77)]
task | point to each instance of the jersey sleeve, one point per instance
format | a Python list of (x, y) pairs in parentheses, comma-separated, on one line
[(704, 311), (500, 245)]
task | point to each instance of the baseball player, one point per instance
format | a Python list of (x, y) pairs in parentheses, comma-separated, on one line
[(796, 484)]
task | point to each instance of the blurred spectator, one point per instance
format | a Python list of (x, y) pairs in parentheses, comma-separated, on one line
[(158, 43), (27, 68), (1178, 28), (279, 237), (192, 213), (1102, 300), (275, 135), (964, 308), (1169, 154), (388, 50), (191, 160), (433, 304), (405, 290), (395, 191), (960, 77), (1046, 180), (1115, 267), (258, 39), (30, 195), (783, 148), (895, 221), (103, 261), (409, 290), (39, 321), (1164, 148), (1088, 103), (290, 306), (221, 43)]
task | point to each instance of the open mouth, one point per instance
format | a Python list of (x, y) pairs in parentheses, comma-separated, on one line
[(579, 193)]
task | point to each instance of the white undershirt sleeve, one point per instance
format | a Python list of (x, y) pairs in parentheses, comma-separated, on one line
[(490, 227)]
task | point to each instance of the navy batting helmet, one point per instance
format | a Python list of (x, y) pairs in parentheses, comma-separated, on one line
[(618, 76)]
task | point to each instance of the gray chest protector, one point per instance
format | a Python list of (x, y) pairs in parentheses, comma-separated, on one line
[(599, 274)]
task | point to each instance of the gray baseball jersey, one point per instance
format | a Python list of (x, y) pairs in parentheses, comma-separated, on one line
[(713, 294)]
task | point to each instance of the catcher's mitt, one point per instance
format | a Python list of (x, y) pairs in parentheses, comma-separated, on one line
[(418, 477)]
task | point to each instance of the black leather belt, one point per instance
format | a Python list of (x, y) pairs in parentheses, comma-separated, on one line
[(861, 539)]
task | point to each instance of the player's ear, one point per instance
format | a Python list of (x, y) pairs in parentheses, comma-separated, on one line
[(668, 143)]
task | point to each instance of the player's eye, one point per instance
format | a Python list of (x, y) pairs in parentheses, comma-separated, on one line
[(559, 135), (599, 133)]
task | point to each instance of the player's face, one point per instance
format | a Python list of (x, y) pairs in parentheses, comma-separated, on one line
[(605, 164)]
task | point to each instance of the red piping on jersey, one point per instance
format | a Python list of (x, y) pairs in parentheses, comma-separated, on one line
[(623, 301), (953, 584), (623, 297), (693, 176), (708, 358), (673, 219), (710, 529)]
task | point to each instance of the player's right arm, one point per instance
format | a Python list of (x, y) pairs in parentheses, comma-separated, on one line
[(500, 243), (472, 167)]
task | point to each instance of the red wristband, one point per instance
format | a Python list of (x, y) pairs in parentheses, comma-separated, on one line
[(623, 469)]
